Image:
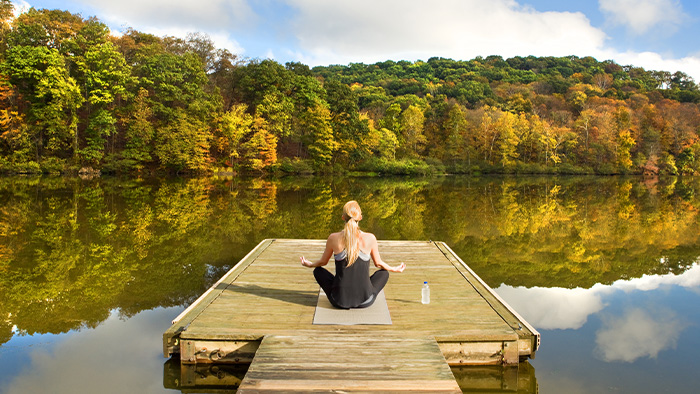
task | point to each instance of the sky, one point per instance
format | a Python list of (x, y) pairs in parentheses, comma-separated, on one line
[(654, 34)]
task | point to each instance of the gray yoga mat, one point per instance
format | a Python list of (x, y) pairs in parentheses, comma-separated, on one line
[(377, 313)]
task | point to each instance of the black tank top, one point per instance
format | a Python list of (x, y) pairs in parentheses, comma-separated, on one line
[(351, 286)]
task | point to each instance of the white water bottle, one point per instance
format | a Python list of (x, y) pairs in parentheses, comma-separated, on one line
[(425, 294)]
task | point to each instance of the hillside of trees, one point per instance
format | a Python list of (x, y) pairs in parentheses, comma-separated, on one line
[(74, 97)]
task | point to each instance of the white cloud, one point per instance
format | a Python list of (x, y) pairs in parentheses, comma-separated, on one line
[(654, 61), (641, 16), (368, 30), (560, 308), (637, 334), (332, 32), (179, 17), (220, 39), (163, 14), (320, 32), (20, 6)]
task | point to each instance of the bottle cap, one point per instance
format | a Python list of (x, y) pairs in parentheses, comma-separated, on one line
[(425, 283)]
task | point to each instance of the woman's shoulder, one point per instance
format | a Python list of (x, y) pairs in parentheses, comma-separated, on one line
[(335, 237), (368, 236)]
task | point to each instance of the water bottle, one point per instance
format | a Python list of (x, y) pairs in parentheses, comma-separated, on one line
[(425, 293)]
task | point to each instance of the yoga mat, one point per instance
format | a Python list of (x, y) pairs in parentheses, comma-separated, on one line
[(377, 313)]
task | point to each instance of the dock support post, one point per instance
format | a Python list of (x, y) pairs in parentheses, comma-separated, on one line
[(511, 355)]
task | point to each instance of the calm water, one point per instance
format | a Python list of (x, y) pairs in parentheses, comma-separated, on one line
[(92, 272)]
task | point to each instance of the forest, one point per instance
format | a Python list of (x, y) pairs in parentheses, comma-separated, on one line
[(75, 98)]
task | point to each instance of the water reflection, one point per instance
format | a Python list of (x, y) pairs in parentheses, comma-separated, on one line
[(116, 357), (203, 378), (560, 308), (71, 251), (497, 379), (623, 336), (92, 272), (227, 378), (637, 333)]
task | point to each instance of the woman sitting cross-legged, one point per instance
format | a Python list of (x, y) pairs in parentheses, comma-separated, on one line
[(351, 286)]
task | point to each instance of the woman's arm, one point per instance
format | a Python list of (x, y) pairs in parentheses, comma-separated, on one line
[(324, 257), (378, 262)]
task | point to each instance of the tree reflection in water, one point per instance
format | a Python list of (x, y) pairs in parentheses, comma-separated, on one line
[(72, 251)]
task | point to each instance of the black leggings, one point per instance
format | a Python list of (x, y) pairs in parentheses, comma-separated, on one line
[(325, 280)]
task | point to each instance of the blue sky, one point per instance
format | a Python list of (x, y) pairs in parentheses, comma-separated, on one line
[(654, 34)]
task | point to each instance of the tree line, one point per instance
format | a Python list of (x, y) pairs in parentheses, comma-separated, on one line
[(73, 96)]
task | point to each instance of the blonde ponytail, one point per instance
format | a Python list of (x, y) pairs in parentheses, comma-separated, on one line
[(351, 233)]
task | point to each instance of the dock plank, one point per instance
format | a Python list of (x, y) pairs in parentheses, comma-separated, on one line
[(347, 363)]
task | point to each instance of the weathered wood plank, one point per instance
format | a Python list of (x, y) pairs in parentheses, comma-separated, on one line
[(333, 363)]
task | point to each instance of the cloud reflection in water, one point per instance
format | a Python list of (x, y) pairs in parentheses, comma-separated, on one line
[(117, 357), (637, 333)]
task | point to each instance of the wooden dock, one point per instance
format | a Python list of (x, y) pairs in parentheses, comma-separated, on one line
[(364, 363), (269, 298)]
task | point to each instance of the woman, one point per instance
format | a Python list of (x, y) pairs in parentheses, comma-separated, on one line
[(352, 287)]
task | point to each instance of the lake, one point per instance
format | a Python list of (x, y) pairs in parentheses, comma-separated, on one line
[(606, 268)]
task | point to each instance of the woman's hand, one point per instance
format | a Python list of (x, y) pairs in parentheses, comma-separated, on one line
[(306, 263), (398, 268)]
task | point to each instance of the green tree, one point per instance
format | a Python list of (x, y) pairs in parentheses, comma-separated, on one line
[(183, 111), (391, 118), (139, 134), (6, 15), (321, 142), (183, 144), (52, 29), (106, 77), (348, 129), (388, 143), (277, 110), (52, 97)]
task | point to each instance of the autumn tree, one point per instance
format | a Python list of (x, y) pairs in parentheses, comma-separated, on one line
[(233, 126), (411, 124), (15, 143), (458, 145), (625, 142), (261, 149)]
